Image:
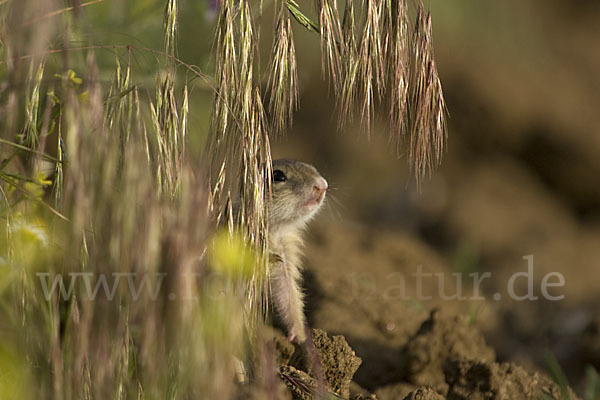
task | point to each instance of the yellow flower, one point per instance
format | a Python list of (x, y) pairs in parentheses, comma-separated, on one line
[(229, 255)]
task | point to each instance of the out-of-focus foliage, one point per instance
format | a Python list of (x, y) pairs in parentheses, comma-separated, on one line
[(104, 216)]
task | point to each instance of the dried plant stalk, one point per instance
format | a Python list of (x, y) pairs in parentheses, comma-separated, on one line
[(239, 145), (331, 40), (370, 61), (226, 75), (170, 129), (348, 93), (283, 74), (32, 104), (427, 127), (398, 56), (386, 64), (170, 21)]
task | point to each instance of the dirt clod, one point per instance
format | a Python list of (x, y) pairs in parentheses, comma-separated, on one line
[(424, 393), (338, 361), (438, 341), (298, 382), (336, 365), (481, 381)]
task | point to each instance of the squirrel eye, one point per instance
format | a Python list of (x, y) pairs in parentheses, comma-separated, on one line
[(279, 176)]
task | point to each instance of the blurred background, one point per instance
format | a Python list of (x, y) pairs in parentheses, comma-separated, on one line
[(520, 176)]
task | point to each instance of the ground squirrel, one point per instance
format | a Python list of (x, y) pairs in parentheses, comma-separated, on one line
[(298, 192)]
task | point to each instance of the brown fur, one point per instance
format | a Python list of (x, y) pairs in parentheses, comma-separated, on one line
[(294, 202)]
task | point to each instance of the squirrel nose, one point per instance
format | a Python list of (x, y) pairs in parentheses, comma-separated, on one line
[(320, 185)]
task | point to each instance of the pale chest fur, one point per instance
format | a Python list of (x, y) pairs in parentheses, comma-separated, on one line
[(286, 246)]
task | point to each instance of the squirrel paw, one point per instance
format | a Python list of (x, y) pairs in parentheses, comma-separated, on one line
[(297, 336)]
